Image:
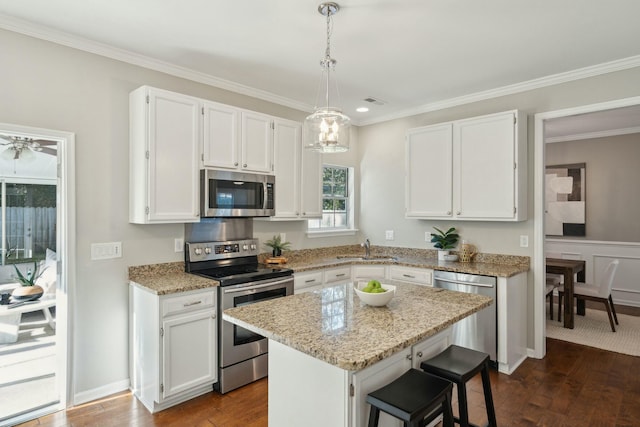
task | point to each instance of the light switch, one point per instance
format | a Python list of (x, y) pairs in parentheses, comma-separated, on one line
[(524, 241), (106, 250), (178, 245), (388, 235)]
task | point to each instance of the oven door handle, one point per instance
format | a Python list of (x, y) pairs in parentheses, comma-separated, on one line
[(252, 287)]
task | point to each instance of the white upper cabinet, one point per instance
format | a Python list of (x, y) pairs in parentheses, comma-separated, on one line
[(472, 169), (257, 142), (163, 157), (485, 168), (235, 139), (298, 174), (429, 168), (221, 127)]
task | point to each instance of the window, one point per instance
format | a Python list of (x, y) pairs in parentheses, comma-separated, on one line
[(337, 206), (29, 221)]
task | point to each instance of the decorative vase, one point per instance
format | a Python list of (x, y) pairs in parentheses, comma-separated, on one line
[(27, 292), (467, 251), (441, 254), (276, 252)]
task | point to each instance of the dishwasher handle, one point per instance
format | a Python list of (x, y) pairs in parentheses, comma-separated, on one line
[(456, 282)]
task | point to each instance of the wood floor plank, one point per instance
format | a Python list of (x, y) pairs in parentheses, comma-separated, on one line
[(572, 386)]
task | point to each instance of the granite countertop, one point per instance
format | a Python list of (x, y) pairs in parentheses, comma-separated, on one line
[(332, 324), (168, 278), (483, 264)]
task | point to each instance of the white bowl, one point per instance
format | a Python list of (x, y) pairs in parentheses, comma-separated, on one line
[(450, 257), (376, 300)]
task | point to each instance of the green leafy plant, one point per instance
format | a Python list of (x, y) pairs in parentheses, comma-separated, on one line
[(32, 275), (277, 244), (445, 240)]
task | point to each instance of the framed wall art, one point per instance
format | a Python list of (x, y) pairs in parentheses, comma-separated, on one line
[(565, 208)]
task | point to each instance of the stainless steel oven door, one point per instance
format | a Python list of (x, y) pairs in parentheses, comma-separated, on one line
[(236, 343)]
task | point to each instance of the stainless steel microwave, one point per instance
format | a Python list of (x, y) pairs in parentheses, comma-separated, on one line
[(236, 194)]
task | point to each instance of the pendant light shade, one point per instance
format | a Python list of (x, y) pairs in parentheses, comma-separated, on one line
[(327, 130)]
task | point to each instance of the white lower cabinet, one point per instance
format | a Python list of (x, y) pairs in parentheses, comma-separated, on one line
[(307, 281), (419, 276), (368, 272), (387, 370), (317, 279), (173, 346)]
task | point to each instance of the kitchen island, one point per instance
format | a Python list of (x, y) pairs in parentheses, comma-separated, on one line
[(327, 350)]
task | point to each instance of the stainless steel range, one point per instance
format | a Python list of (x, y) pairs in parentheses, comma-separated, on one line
[(234, 263)]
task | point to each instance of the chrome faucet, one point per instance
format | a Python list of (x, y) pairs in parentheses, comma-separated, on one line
[(367, 248)]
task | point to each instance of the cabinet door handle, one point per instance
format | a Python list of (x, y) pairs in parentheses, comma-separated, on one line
[(409, 357), (189, 304), (235, 164), (310, 281), (458, 213), (244, 165), (448, 212), (419, 354), (409, 276), (340, 275)]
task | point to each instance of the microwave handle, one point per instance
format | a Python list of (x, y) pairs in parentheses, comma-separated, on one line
[(263, 202)]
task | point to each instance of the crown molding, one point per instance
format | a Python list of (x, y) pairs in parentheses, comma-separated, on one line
[(554, 79), (62, 38), (65, 39), (592, 135)]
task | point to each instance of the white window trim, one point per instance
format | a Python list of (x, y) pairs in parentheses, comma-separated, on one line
[(334, 232)]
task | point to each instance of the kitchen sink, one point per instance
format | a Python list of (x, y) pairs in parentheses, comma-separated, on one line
[(368, 258)]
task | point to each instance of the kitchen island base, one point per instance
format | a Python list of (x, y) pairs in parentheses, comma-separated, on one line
[(304, 390)]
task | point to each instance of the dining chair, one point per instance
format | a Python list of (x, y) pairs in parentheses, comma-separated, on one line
[(553, 281), (599, 293)]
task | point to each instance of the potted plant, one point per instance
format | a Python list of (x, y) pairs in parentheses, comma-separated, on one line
[(444, 241), (29, 289), (277, 245)]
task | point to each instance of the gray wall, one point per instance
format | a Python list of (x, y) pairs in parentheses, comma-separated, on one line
[(612, 178), (50, 86)]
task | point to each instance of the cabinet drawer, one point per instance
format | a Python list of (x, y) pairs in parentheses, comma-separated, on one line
[(420, 276), (307, 279), (337, 274), (184, 303), (369, 272)]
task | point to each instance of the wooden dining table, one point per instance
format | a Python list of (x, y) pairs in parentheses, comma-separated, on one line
[(568, 268)]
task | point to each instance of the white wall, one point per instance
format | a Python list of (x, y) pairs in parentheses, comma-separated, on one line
[(54, 87)]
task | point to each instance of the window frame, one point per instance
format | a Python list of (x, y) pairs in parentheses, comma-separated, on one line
[(349, 229)]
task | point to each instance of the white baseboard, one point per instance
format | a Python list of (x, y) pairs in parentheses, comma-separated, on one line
[(100, 392)]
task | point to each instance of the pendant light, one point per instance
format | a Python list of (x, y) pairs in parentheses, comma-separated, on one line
[(327, 129)]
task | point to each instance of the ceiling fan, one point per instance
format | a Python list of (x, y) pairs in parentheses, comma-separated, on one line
[(19, 147)]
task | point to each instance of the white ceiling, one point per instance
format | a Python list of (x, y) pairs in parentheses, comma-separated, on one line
[(415, 55)]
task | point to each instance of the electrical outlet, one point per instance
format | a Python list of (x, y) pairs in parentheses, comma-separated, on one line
[(283, 237), (524, 241), (178, 245), (427, 236), (388, 235)]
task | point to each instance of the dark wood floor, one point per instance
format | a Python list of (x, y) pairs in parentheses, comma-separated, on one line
[(572, 386)]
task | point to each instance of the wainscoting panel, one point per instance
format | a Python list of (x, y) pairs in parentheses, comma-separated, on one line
[(626, 283)]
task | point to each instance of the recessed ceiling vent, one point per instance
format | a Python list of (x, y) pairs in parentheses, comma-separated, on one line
[(374, 101)]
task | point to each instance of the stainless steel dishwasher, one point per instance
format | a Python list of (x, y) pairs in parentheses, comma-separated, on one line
[(478, 331)]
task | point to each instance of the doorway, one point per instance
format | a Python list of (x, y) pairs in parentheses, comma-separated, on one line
[(540, 131), (38, 242)]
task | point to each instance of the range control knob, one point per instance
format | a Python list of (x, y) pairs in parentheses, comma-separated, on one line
[(245, 247), (197, 251), (207, 250), (253, 247)]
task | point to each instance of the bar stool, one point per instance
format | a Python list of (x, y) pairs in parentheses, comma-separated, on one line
[(459, 365), (411, 398)]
